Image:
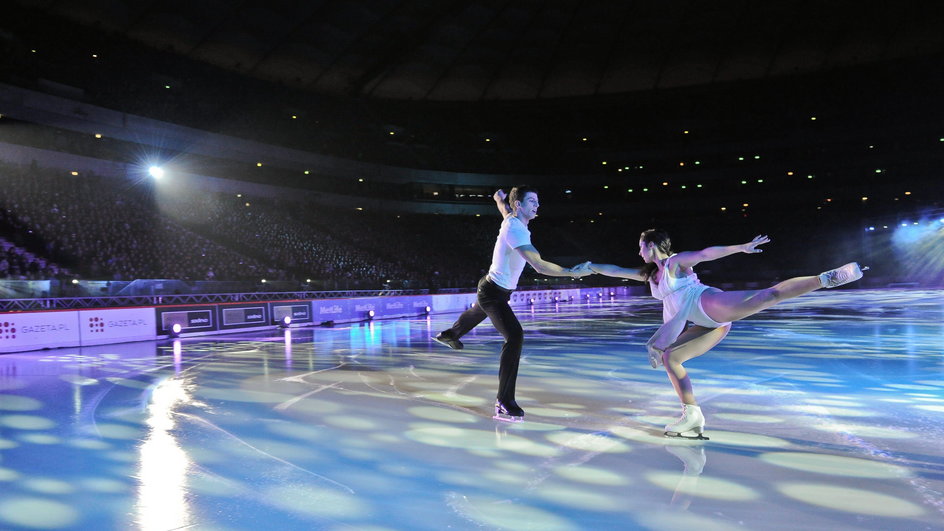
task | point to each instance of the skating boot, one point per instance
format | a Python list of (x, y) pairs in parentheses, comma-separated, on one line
[(509, 412), (841, 275), (690, 425), (443, 339)]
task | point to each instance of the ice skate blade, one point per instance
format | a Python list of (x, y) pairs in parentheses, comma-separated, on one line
[(690, 435), (507, 418), (456, 346)]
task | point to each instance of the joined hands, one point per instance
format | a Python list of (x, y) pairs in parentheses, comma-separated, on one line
[(581, 270)]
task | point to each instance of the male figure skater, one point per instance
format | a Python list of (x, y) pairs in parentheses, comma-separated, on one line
[(512, 250)]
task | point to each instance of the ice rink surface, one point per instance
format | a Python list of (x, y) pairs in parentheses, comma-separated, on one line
[(826, 412)]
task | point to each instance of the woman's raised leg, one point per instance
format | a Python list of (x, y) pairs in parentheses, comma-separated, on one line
[(727, 306)]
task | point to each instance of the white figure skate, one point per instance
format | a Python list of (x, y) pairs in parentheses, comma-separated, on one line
[(841, 275), (691, 425)]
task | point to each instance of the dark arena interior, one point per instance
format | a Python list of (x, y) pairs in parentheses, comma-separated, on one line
[(235, 236)]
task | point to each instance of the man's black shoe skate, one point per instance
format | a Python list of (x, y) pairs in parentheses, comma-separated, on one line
[(454, 344), (509, 412)]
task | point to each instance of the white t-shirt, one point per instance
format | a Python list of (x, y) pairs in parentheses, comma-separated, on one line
[(507, 264)]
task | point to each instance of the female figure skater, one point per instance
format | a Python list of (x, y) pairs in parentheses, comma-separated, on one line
[(709, 310)]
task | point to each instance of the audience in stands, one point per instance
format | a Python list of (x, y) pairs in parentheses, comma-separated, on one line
[(105, 228)]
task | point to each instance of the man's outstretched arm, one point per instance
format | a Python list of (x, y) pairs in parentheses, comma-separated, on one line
[(542, 266)]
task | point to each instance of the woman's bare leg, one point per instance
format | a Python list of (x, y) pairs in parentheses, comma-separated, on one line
[(690, 344), (727, 306)]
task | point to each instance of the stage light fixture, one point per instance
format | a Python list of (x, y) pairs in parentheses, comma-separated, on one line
[(175, 330), (531, 301), (285, 321), (156, 171), (427, 310), (370, 315)]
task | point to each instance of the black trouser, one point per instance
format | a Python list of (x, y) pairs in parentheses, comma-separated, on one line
[(492, 302)]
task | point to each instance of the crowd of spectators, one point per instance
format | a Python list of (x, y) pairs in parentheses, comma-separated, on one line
[(108, 228), (17, 263), (103, 230), (343, 246), (58, 224), (55, 225)]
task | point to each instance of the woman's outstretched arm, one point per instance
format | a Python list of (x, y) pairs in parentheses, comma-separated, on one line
[(617, 271), (688, 259)]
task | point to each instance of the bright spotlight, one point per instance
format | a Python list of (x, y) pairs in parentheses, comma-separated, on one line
[(286, 321), (176, 329), (156, 171), (370, 315)]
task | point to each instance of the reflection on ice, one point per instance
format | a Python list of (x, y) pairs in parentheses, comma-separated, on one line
[(163, 466)]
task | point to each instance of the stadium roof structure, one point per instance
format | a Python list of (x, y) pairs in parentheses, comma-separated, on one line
[(516, 50)]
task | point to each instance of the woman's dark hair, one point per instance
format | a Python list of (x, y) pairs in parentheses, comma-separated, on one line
[(663, 243)]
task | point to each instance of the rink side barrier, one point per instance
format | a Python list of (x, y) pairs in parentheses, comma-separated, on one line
[(37, 330)]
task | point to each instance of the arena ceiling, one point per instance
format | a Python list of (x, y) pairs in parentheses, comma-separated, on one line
[(445, 50)]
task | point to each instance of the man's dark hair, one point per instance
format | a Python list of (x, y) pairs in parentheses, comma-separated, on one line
[(518, 192)]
